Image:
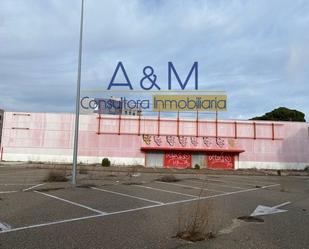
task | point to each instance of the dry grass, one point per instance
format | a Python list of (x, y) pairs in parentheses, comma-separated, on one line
[(168, 178), (131, 172), (194, 224), (132, 183), (90, 185), (83, 171), (56, 176), (250, 219), (49, 189), (111, 175)]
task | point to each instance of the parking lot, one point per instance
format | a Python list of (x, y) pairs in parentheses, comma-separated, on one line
[(124, 210)]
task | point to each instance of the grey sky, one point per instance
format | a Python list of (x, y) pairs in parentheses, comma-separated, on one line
[(257, 51)]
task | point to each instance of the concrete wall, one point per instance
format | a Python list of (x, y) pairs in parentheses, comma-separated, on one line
[(48, 137)]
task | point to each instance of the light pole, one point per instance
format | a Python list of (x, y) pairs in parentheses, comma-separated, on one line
[(75, 149)]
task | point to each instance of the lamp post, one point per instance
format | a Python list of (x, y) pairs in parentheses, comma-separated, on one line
[(75, 149)]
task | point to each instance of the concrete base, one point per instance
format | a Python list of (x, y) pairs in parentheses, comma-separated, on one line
[(131, 161), (271, 165), (119, 161)]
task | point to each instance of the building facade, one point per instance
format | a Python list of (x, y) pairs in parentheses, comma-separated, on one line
[(156, 141), (1, 122)]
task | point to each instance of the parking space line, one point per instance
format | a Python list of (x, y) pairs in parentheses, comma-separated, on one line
[(240, 182), (270, 186), (223, 194), (232, 180), (16, 184), (33, 187), (136, 209), (126, 195), (71, 202), (189, 186), (223, 185), (163, 190), (132, 210), (50, 223), (249, 180), (78, 219), (8, 192)]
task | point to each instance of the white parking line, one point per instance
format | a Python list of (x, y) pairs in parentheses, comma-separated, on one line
[(32, 187), (8, 192), (126, 195), (50, 223), (130, 210), (163, 190), (71, 202), (189, 186), (248, 179), (237, 182), (222, 185), (16, 184)]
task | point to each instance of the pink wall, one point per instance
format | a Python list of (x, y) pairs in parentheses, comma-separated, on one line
[(51, 134), (292, 148)]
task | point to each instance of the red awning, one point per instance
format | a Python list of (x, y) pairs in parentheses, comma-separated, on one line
[(235, 151)]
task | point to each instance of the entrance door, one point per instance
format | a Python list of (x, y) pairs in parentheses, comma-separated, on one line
[(220, 161), (154, 159), (177, 160)]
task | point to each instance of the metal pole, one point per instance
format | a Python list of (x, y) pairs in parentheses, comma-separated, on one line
[(75, 150)]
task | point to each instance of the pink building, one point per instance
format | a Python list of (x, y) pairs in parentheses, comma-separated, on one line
[(155, 141)]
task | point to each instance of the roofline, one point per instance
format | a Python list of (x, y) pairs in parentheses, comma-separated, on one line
[(174, 118), (234, 151)]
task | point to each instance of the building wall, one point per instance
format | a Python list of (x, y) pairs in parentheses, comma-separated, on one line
[(48, 137), (1, 123)]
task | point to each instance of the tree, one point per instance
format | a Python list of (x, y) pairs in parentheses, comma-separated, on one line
[(282, 114)]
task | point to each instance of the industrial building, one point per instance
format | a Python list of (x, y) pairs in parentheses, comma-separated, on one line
[(155, 141)]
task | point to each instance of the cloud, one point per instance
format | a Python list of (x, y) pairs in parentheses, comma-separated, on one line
[(255, 50)]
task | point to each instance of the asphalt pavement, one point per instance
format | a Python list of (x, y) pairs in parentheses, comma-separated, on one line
[(137, 210)]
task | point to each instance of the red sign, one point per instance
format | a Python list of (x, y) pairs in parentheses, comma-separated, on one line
[(177, 160), (220, 161)]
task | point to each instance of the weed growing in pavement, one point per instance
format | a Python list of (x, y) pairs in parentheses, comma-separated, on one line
[(83, 171), (131, 172), (49, 189), (56, 176), (90, 185), (132, 183), (250, 219), (168, 178), (194, 224)]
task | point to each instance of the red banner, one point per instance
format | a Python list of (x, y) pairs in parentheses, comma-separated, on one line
[(220, 161), (177, 160)]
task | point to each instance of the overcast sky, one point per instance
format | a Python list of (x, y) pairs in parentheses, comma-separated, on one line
[(256, 51)]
